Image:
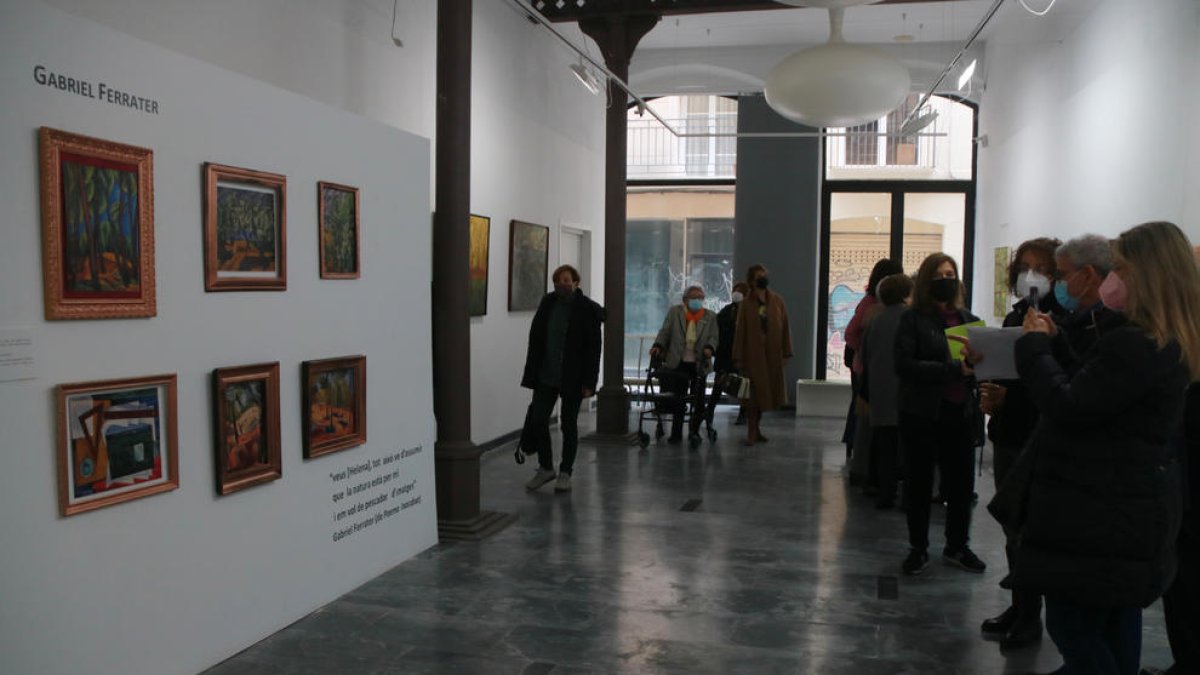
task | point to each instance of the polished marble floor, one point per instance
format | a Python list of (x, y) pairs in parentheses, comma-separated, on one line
[(775, 566)]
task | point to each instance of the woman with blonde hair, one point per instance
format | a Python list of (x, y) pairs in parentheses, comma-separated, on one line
[(1102, 502)]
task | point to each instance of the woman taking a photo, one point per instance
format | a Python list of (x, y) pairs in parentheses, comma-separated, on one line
[(937, 408), (761, 344), (1102, 502)]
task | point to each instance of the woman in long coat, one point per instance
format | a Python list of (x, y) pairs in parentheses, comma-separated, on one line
[(762, 342)]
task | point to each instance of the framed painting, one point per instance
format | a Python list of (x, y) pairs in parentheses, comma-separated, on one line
[(338, 221), (335, 404), (116, 441), (97, 227), (480, 232), (246, 426), (528, 265), (245, 229), (1000, 282)]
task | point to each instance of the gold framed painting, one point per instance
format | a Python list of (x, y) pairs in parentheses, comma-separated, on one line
[(116, 441), (334, 404), (97, 227), (245, 229), (246, 426), (480, 237), (337, 216)]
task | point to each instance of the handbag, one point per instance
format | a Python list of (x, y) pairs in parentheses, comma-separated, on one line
[(737, 386)]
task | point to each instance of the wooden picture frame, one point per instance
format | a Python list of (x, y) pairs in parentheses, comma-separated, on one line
[(528, 265), (246, 440), (481, 230), (334, 403), (93, 267), (338, 231), (117, 441), (245, 229)]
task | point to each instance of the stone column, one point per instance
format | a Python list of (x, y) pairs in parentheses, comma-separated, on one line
[(456, 458), (617, 36)]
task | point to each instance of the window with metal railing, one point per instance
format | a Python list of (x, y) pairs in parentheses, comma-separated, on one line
[(705, 147)]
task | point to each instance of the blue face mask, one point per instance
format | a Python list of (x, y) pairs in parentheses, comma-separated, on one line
[(695, 305), (1065, 299)]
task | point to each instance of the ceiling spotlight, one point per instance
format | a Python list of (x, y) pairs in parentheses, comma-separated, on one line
[(966, 74), (836, 84), (587, 78)]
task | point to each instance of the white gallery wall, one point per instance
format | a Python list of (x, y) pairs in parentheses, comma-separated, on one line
[(176, 582), (1091, 130)]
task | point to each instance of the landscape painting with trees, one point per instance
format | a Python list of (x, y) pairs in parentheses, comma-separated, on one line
[(334, 404), (245, 229), (339, 231), (246, 412), (97, 227)]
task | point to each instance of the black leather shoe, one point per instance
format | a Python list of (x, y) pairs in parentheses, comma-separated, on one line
[(1000, 625), (1022, 634)]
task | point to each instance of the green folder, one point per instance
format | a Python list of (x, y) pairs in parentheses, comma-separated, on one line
[(956, 347)]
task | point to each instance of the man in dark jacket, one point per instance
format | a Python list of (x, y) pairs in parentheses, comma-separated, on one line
[(563, 361)]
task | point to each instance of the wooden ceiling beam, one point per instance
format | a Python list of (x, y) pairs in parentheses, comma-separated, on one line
[(574, 10)]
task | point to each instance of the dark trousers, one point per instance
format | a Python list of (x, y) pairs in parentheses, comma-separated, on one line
[(1181, 604), (683, 383), (943, 442), (885, 457), (568, 419), (1095, 640), (1028, 604)]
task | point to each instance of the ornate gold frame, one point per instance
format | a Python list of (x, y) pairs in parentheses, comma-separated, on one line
[(326, 274), (214, 282), (311, 368), (231, 481)]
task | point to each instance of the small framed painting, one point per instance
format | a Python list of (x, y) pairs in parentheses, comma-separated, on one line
[(477, 295), (338, 219), (116, 441), (335, 404), (529, 260), (1000, 281), (97, 227), (245, 229), (246, 426)]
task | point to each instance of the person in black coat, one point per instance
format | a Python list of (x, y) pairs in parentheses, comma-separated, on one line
[(1101, 505), (937, 414), (1013, 417), (563, 361), (723, 362)]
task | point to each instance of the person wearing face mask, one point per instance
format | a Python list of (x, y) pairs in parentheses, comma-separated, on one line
[(1083, 263), (936, 408), (562, 362), (1102, 503), (723, 363), (688, 338), (1013, 418), (762, 343)]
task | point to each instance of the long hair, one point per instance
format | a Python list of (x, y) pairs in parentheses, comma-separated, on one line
[(923, 301), (886, 267), (1043, 245), (1164, 286), (754, 269)]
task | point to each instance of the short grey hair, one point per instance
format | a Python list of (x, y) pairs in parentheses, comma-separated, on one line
[(1089, 249), (693, 288)]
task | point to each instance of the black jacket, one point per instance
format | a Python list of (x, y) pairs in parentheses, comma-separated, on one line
[(726, 325), (581, 353), (923, 363), (1103, 501)]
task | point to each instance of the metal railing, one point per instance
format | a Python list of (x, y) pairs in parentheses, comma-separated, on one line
[(654, 152)]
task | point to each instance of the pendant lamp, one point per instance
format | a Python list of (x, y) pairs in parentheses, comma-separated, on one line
[(836, 84)]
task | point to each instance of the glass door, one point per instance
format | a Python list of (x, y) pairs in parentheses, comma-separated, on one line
[(860, 233)]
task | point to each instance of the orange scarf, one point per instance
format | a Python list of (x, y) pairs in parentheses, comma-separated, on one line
[(692, 318)]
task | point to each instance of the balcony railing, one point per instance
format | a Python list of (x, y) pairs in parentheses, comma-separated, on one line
[(654, 152)]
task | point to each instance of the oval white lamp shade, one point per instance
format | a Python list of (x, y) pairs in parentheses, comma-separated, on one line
[(837, 85)]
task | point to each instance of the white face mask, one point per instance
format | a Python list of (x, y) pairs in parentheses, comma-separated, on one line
[(1030, 280), (737, 296)]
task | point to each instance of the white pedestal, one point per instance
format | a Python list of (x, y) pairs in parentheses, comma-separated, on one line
[(819, 398)]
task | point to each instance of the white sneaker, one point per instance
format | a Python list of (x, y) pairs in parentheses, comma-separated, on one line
[(539, 479), (564, 483)]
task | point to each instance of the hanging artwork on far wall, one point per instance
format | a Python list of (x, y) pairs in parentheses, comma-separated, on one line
[(245, 229), (116, 441), (338, 218), (528, 263), (246, 426), (97, 227), (1000, 283), (480, 232), (334, 404)]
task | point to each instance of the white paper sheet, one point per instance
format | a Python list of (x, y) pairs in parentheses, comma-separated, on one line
[(16, 355), (998, 347)]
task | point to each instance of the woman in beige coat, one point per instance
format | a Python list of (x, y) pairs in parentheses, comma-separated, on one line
[(761, 344)]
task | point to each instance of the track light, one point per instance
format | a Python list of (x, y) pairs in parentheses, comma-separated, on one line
[(587, 78), (966, 74), (922, 120)]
